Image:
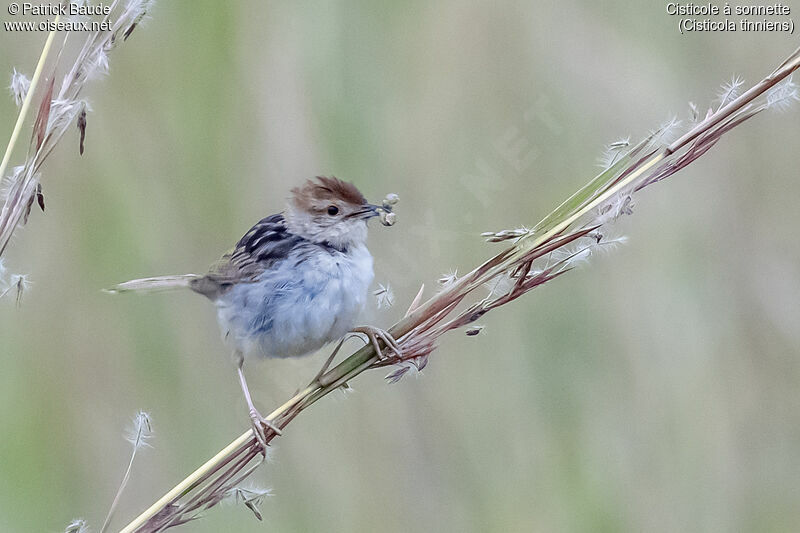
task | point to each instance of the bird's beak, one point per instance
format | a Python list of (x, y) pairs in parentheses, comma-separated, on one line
[(368, 211)]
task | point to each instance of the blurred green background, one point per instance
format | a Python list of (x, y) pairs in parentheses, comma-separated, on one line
[(654, 390)]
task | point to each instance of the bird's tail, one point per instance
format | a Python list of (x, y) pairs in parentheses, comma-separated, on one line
[(157, 284)]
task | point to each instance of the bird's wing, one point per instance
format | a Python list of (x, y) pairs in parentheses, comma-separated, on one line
[(266, 243)]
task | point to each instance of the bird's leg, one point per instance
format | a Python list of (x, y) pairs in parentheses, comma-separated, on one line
[(256, 418), (373, 334), (328, 362)]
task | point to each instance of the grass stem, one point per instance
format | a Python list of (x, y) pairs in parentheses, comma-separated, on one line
[(26, 104), (578, 217)]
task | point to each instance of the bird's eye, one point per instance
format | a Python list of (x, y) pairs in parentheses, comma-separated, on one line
[(333, 210)]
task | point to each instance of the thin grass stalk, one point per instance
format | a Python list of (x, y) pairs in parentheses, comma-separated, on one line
[(125, 478), (578, 218), (26, 103), (138, 436)]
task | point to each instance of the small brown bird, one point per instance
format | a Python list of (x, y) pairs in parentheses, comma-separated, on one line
[(296, 281)]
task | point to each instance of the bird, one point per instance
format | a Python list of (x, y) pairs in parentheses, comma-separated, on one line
[(296, 281)]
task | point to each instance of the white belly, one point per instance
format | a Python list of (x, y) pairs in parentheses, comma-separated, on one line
[(295, 310)]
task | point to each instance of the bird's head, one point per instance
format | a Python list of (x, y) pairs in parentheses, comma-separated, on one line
[(331, 211)]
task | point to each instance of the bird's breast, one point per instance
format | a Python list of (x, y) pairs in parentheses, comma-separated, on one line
[(303, 302)]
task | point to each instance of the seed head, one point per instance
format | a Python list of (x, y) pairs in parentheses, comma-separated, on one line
[(783, 95), (19, 87), (140, 431), (384, 296), (78, 525)]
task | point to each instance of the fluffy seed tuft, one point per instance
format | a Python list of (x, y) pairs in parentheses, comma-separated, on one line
[(140, 431), (729, 91), (78, 525), (782, 96), (251, 497), (449, 278), (613, 151), (16, 284), (384, 296), (20, 84)]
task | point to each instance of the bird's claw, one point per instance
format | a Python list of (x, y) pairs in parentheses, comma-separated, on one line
[(373, 334), (259, 422)]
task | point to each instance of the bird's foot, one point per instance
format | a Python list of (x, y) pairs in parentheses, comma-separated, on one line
[(259, 422), (373, 334)]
